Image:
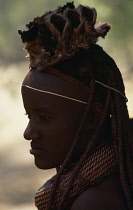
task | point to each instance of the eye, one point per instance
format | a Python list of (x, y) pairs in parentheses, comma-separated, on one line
[(44, 117), (40, 116)]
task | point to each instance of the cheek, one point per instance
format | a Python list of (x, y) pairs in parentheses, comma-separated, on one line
[(56, 142), (60, 133), (57, 137)]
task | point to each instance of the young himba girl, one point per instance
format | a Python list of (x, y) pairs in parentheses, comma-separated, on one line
[(78, 120)]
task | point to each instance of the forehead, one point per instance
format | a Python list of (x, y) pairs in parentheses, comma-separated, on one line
[(48, 82)]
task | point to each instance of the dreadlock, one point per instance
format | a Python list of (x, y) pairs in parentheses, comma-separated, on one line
[(99, 65), (66, 39)]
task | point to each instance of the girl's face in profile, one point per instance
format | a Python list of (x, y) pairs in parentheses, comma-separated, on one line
[(53, 121)]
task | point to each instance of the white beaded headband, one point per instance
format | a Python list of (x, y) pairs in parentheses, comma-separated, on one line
[(73, 99), (55, 94)]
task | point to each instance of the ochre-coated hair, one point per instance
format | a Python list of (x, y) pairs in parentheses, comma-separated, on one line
[(52, 35), (88, 66)]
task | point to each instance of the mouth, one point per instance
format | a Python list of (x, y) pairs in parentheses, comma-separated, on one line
[(35, 149)]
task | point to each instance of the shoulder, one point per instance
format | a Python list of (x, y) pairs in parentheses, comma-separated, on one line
[(106, 196), (92, 200)]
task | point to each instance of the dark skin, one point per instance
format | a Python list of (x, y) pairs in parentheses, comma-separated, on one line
[(107, 195), (53, 122)]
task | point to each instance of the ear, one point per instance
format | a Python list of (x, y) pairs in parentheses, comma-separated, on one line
[(95, 114)]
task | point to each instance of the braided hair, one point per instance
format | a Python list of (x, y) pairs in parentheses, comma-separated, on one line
[(66, 38), (96, 64)]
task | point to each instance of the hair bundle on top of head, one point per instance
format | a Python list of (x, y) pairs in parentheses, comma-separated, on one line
[(66, 39), (60, 34)]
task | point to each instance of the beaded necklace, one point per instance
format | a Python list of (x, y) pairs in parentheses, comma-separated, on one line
[(96, 167)]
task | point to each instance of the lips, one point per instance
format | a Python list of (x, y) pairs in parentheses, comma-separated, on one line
[(35, 149)]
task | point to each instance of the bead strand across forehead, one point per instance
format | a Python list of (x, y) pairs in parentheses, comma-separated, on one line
[(65, 40), (55, 94), (73, 99)]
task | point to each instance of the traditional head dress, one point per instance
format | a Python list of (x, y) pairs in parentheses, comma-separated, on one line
[(59, 35)]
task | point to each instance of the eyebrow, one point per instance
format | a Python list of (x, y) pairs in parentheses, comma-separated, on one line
[(41, 109)]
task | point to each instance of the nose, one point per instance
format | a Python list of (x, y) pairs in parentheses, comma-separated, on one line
[(31, 133)]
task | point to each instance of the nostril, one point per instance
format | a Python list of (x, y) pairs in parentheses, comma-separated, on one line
[(27, 133), (30, 133)]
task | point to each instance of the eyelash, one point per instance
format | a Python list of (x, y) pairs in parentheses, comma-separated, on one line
[(28, 115), (42, 117)]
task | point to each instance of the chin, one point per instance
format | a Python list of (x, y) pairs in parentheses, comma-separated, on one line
[(44, 165)]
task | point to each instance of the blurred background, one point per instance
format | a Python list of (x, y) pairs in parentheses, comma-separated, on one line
[(18, 176)]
